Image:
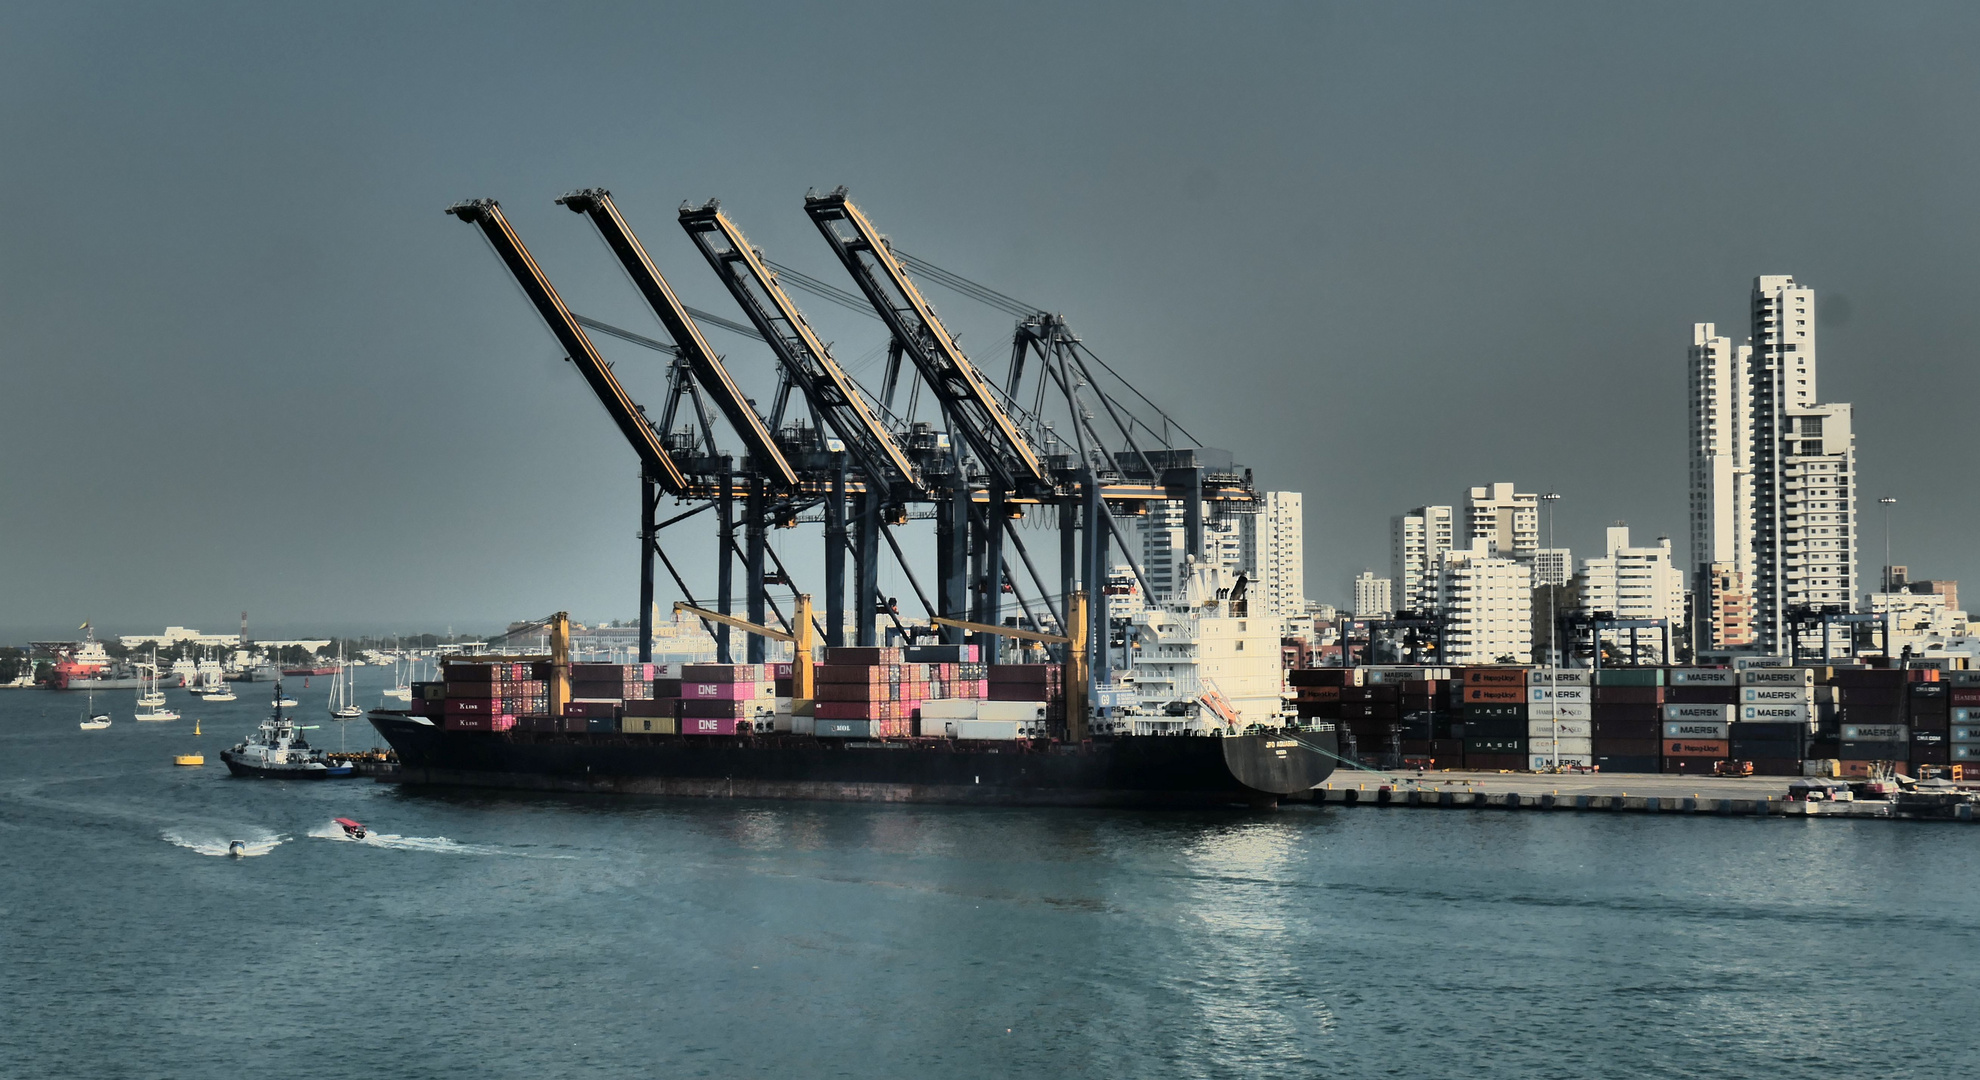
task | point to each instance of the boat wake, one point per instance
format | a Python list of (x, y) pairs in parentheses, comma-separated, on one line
[(330, 830), (256, 842)]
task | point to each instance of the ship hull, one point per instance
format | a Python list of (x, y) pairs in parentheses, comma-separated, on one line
[(1253, 770), (258, 772)]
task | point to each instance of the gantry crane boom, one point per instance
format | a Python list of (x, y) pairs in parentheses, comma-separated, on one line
[(965, 395), (597, 204), (836, 396), (487, 214)]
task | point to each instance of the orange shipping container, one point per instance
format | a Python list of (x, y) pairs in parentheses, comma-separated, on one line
[(1514, 677), (1505, 695), (1708, 748)]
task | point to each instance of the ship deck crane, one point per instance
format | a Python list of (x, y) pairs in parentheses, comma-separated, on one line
[(803, 684)]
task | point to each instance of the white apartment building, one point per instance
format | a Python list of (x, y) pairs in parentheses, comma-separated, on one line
[(1721, 455), (1634, 583), (1487, 604), (1273, 552), (1920, 622), (1804, 503), (1552, 566), (1507, 521), (1372, 596), (1417, 542), (1817, 551), (1163, 535)]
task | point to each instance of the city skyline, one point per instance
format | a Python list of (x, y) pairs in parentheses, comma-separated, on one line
[(1399, 260)]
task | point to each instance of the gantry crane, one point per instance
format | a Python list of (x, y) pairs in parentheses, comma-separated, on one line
[(770, 472)]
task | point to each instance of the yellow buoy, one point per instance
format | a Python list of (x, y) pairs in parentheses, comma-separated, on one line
[(189, 759)]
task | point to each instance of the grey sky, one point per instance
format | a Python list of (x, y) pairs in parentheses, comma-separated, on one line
[(1380, 251)]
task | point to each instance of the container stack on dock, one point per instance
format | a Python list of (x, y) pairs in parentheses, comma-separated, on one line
[(1495, 717), (1387, 716), (1560, 719), (1963, 718)]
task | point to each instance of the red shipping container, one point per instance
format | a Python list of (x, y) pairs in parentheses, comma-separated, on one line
[(1500, 677), (479, 706), (592, 709), (847, 710), (650, 707), (1495, 694), (709, 725), (478, 723), (1698, 748)]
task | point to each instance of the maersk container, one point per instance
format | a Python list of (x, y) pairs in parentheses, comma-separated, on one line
[(1697, 729), (1879, 733), (1777, 677), (1706, 713), (1704, 677), (1537, 762), (1561, 677), (1777, 695), (1967, 733), (1748, 663), (1777, 714), (1965, 751)]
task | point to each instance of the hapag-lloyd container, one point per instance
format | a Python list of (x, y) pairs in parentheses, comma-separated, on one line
[(1705, 748), (1777, 677), (1514, 678), (1704, 677), (1698, 729), (1493, 694), (1703, 713), (1777, 695)]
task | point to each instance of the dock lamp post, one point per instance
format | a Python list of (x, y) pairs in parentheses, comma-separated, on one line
[(1554, 634), (1887, 502)]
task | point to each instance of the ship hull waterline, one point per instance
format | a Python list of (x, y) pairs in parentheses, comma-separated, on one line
[(1159, 771)]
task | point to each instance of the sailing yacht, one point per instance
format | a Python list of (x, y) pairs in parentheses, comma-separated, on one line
[(216, 687), (401, 688), (151, 701), (93, 720), (343, 701)]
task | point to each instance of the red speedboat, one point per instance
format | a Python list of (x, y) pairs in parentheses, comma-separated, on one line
[(352, 829)]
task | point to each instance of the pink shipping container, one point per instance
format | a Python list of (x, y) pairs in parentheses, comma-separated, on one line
[(709, 725)]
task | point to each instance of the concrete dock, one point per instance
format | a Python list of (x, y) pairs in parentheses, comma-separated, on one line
[(1652, 793)]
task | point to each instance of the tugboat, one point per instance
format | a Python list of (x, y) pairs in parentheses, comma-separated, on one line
[(277, 750)]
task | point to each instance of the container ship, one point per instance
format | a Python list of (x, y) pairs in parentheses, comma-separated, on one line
[(925, 723)]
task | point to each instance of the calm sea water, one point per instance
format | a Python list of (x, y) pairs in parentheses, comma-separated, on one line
[(481, 935)]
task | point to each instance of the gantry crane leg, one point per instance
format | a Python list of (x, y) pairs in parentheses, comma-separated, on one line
[(755, 524), (725, 567), (1094, 537), (993, 567), (1068, 559), (649, 506), (835, 557), (866, 569)]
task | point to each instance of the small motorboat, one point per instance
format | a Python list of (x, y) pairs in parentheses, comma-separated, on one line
[(353, 829), (237, 849)]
